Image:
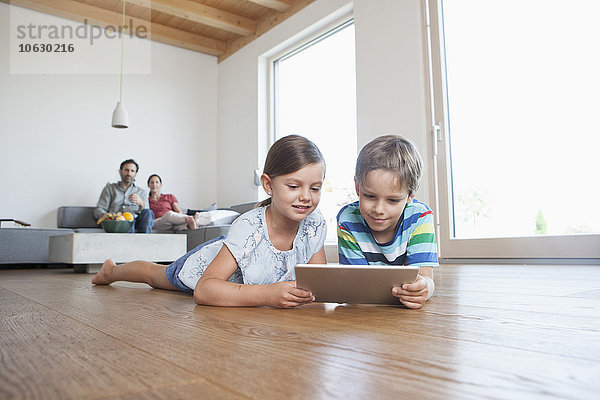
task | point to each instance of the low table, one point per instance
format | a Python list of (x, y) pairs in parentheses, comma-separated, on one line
[(87, 251)]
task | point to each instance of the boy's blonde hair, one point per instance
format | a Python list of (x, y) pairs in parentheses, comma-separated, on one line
[(391, 153)]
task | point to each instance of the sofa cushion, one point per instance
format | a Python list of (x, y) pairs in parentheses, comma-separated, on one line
[(76, 217), (217, 217), (244, 207), (203, 234), (212, 207)]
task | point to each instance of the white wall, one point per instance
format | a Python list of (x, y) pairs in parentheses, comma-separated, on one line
[(57, 146), (391, 78), (391, 87)]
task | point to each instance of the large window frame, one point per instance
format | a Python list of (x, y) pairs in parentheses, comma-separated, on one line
[(296, 47), (576, 248)]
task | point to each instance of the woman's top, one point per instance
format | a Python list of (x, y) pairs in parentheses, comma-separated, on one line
[(259, 262), (162, 205)]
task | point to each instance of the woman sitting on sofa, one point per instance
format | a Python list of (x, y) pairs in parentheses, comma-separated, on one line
[(167, 212)]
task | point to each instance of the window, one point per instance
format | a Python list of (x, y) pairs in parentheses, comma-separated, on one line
[(314, 95), (515, 90)]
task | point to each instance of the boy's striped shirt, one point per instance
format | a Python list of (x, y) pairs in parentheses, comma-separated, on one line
[(413, 244)]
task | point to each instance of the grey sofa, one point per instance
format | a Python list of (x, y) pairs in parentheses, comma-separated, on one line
[(26, 245), (81, 219), (208, 232), (30, 245)]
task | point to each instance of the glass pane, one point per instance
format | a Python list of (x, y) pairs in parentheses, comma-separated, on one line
[(523, 99), (316, 98)]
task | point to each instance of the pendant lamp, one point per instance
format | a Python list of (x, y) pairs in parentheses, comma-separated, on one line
[(120, 119)]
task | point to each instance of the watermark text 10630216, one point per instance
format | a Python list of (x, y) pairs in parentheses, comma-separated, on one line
[(47, 44), (46, 48)]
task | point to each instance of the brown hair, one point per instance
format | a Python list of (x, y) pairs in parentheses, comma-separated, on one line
[(391, 153), (152, 176), (130, 161), (289, 154)]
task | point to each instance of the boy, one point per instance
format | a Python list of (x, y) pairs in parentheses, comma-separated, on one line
[(387, 226)]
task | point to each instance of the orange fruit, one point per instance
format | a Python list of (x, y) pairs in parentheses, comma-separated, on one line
[(128, 216)]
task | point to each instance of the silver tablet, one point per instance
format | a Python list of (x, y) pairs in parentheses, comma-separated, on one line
[(360, 284)]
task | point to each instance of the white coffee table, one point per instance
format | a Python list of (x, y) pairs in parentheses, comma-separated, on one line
[(87, 251)]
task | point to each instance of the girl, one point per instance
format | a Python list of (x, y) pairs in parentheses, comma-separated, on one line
[(254, 265)]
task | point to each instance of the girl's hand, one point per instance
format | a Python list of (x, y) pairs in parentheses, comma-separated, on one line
[(412, 295), (287, 295)]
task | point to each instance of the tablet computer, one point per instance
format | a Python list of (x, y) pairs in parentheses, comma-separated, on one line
[(360, 284)]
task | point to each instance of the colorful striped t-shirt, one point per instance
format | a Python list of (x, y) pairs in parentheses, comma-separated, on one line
[(413, 244)]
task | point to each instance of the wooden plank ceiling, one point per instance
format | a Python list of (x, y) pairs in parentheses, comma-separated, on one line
[(216, 27)]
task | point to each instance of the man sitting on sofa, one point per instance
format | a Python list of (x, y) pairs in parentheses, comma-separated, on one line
[(126, 196)]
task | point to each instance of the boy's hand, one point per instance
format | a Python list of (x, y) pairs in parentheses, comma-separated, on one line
[(412, 295), (287, 295)]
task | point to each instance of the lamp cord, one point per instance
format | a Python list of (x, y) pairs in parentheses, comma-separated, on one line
[(122, 45)]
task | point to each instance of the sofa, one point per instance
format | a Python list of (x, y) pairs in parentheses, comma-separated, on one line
[(30, 245), (27, 245)]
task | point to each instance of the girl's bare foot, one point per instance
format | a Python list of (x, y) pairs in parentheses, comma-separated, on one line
[(103, 276), (190, 222)]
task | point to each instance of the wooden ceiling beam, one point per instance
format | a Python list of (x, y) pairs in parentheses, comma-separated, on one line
[(202, 14), (77, 11), (187, 40), (270, 20), (279, 5)]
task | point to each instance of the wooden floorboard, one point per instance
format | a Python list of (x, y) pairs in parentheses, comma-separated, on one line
[(46, 354), (491, 332)]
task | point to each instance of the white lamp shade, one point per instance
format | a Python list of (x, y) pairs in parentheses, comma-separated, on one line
[(120, 119)]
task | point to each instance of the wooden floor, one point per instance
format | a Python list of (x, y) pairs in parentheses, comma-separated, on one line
[(490, 332)]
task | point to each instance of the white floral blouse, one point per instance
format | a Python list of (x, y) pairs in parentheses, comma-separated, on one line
[(259, 262)]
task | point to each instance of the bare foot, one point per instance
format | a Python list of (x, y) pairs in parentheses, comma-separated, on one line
[(103, 276), (190, 222)]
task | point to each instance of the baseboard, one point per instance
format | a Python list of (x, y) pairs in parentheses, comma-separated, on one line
[(524, 261)]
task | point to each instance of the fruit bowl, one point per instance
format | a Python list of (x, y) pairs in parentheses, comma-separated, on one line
[(115, 226)]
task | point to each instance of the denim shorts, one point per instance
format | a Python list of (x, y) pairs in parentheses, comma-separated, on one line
[(172, 271)]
